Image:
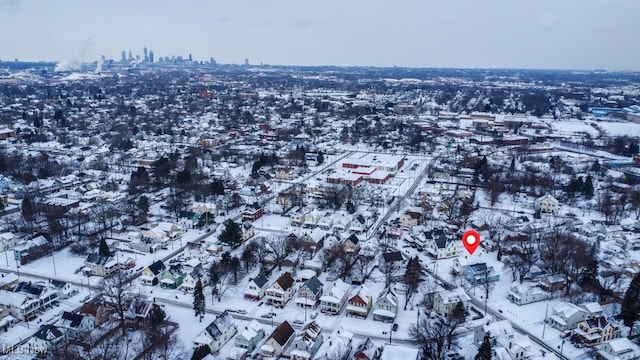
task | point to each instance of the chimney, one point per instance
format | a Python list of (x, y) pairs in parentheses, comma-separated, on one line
[(509, 344)]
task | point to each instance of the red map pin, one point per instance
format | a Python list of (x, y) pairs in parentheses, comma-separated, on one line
[(471, 240)]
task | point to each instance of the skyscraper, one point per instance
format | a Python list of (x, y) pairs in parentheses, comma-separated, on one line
[(151, 56), (124, 56), (146, 54)]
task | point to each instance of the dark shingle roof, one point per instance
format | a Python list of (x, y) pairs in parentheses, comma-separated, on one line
[(392, 256), (157, 267), (283, 333), (48, 333), (314, 285), (285, 281), (74, 319), (260, 280)]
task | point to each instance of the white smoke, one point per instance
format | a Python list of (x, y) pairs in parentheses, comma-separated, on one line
[(74, 63), (99, 66)]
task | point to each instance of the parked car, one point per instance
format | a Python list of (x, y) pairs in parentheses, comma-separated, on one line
[(394, 327), (314, 315)]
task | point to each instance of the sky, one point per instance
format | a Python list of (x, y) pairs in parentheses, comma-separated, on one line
[(540, 34)]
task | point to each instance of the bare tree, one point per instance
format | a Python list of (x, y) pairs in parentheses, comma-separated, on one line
[(431, 336), (117, 295)]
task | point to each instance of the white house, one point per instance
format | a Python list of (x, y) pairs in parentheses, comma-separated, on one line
[(216, 334), (75, 325), (256, 287), (46, 339), (507, 343), (547, 204), (386, 306), (566, 316), (439, 245), (337, 347), (619, 349), (250, 336), (333, 301), (521, 294), (445, 301), (281, 291), (277, 342)]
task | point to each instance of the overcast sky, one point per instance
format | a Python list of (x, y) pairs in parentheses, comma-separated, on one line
[(557, 34)]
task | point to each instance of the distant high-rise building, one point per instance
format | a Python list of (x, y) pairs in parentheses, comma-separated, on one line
[(146, 54), (246, 62), (124, 56), (190, 57), (151, 56), (212, 61), (130, 55)]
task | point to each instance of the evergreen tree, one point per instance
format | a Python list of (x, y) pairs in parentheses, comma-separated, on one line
[(232, 234), (485, 350), (413, 274), (104, 248), (157, 317), (320, 158), (198, 300), (513, 164), (28, 210), (630, 309), (587, 188)]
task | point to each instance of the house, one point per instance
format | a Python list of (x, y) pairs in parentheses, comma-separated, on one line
[(172, 277), (391, 261), (547, 204), (309, 293), (595, 331), (8, 280), (151, 273), (307, 341), (137, 316), (30, 249), (394, 352), (75, 325), (277, 342), (297, 217), (98, 265), (386, 306), (281, 291), (619, 349), (554, 282), (366, 350), (7, 241), (250, 336), (188, 284), (566, 316), (64, 289), (311, 218), (360, 303), (47, 339), (351, 244), (20, 306), (217, 333), (506, 342), (337, 346), (440, 245), (333, 301), (248, 230), (98, 312), (256, 287), (445, 301), (480, 273), (252, 212), (313, 241), (411, 217), (521, 294)]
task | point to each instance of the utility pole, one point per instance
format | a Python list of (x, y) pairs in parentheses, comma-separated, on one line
[(544, 324)]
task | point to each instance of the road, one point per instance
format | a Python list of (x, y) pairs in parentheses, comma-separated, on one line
[(480, 305), (326, 329)]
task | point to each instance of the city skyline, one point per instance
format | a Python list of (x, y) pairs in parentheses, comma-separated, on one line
[(457, 34)]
